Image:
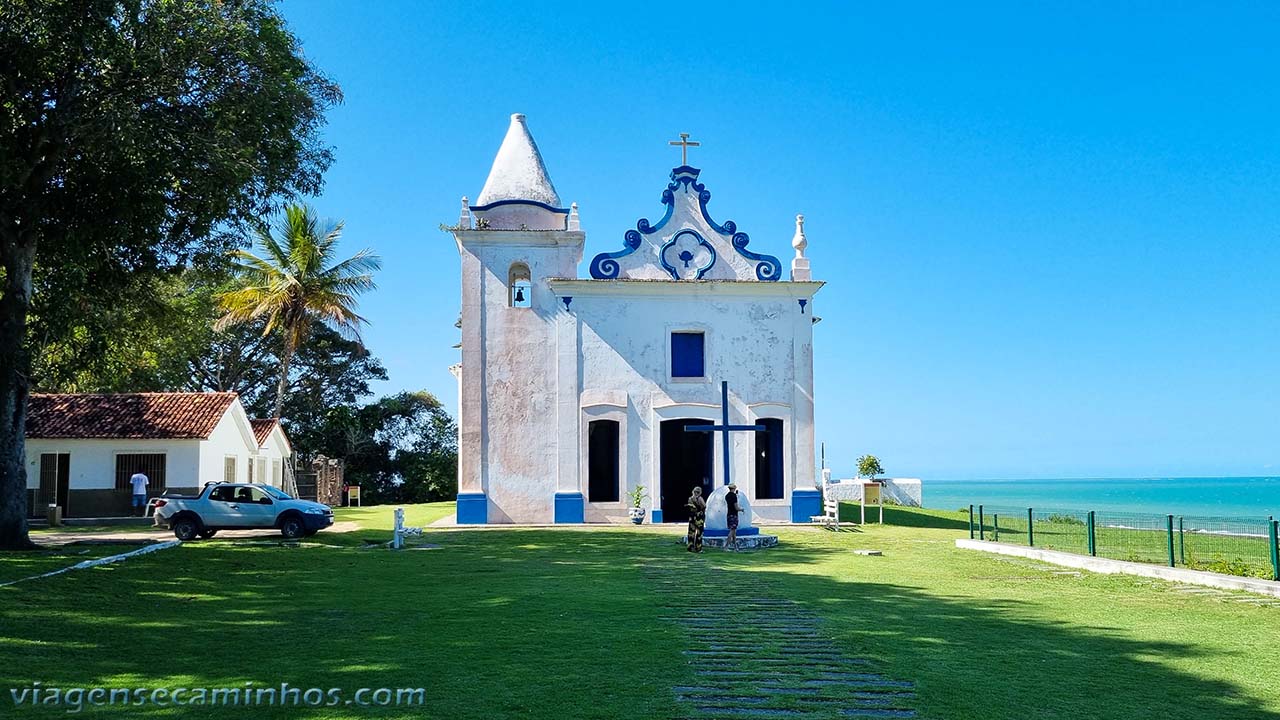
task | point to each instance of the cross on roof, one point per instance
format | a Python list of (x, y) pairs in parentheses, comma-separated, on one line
[(685, 143)]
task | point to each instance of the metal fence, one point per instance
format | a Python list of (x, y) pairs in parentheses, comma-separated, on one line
[(1234, 546)]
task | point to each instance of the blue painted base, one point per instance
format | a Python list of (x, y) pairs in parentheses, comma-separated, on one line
[(655, 516), (570, 508), (473, 509), (805, 504), (721, 532)]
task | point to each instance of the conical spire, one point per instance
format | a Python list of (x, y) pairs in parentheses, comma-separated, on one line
[(518, 172)]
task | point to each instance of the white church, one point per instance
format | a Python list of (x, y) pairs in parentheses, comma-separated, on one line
[(574, 391)]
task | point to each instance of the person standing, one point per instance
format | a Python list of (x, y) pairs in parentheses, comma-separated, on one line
[(697, 520), (139, 483), (731, 516)]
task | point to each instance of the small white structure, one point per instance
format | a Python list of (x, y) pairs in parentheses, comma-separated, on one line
[(898, 491), (83, 448), (271, 461), (399, 531), (574, 390)]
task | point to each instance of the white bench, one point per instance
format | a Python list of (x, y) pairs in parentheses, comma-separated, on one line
[(830, 517)]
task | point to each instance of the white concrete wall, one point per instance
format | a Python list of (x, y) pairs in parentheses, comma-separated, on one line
[(903, 491), (274, 450), (93, 462), (509, 428), (232, 436), (751, 342)]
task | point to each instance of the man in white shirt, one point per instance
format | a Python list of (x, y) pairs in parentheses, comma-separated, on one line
[(139, 482)]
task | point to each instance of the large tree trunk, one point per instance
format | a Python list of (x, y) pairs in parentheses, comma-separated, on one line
[(17, 256)]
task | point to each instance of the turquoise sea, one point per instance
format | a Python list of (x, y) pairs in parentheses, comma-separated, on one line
[(1243, 497)]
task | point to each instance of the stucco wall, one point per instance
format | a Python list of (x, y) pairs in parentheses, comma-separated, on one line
[(532, 378), (92, 470), (188, 463), (749, 341), (231, 436), (509, 371), (93, 462), (903, 491), (273, 450)]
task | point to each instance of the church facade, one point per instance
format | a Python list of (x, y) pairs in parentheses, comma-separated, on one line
[(574, 391)]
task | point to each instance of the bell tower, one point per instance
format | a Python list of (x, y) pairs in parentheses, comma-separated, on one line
[(518, 373)]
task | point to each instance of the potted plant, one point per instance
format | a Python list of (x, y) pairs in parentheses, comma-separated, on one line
[(636, 496)]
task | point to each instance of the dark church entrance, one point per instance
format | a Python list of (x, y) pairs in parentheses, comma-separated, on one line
[(687, 459)]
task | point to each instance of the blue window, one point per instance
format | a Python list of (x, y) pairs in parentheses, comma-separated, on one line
[(688, 355)]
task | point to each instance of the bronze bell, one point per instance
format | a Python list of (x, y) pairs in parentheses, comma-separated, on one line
[(519, 294)]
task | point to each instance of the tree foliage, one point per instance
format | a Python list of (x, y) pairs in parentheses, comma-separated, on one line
[(401, 448), (869, 467), (172, 345), (138, 136), (297, 282)]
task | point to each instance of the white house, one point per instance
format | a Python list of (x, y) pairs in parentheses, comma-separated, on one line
[(272, 458), (82, 449), (574, 391)]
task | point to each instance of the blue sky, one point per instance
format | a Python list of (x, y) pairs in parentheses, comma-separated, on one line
[(1049, 234)]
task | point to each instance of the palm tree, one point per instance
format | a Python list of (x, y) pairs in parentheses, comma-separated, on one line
[(297, 282)]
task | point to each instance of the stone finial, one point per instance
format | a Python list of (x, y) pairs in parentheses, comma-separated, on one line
[(574, 223), (799, 241), (464, 220), (800, 265)]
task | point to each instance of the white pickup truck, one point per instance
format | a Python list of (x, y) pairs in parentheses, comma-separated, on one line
[(240, 506)]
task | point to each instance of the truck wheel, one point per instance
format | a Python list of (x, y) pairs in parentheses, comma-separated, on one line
[(185, 529), (206, 534), (292, 527)]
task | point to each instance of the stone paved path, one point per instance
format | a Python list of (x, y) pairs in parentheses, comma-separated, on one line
[(753, 654)]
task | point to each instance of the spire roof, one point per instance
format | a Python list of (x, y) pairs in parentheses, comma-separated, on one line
[(518, 172)]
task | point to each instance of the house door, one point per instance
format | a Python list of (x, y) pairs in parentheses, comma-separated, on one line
[(686, 459), (55, 480)]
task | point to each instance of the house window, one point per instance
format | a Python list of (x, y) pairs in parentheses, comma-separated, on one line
[(769, 471), (261, 473), (688, 356), (277, 480), (150, 464), (229, 469), (519, 287), (602, 461)]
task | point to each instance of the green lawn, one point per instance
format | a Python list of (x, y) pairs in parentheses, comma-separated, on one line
[(566, 624), (17, 566), (380, 517)]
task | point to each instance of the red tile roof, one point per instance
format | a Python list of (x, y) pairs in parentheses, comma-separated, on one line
[(127, 415), (262, 428)]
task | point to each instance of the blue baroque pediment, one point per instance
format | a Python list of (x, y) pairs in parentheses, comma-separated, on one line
[(714, 250)]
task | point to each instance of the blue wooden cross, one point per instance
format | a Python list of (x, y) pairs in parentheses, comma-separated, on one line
[(724, 426)]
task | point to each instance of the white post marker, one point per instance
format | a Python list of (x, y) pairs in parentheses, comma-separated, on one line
[(399, 531)]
